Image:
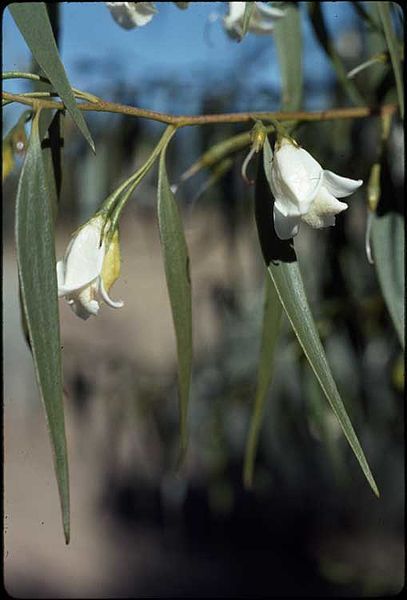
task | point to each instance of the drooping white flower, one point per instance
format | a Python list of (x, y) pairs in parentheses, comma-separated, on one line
[(132, 14), (304, 191), (88, 269), (261, 21)]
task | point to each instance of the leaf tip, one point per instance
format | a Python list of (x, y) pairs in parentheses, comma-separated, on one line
[(372, 483), (67, 533)]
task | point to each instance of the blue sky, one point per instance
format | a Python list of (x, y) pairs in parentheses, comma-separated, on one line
[(97, 52)]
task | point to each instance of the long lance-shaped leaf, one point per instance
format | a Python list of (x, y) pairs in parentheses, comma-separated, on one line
[(270, 329), (51, 135), (393, 46), (33, 21), (288, 281), (288, 39), (323, 37), (388, 248), (37, 274), (50, 131), (176, 264), (283, 268)]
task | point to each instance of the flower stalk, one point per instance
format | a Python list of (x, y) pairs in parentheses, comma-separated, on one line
[(257, 137), (116, 202)]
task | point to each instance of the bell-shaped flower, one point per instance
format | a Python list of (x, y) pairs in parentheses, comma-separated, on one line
[(132, 14), (304, 191), (88, 270), (261, 21)]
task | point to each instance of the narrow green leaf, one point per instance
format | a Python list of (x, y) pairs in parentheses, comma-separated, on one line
[(393, 46), (33, 21), (283, 268), (288, 281), (321, 424), (176, 264), (248, 11), (288, 39), (50, 125), (37, 274), (271, 325), (51, 135), (388, 248), (323, 37)]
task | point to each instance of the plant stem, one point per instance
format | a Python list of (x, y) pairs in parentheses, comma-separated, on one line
[(35, 77), (356, 112)]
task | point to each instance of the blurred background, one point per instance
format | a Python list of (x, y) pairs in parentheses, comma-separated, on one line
[(310, 526)]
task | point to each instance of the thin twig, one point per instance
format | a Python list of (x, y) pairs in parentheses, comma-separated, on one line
[(357, 112)]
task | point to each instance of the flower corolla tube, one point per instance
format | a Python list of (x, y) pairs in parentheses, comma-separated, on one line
[(303, 191), (132, 14), (262, 19), (89, 269)]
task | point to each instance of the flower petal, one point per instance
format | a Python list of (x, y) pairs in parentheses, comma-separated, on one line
[(286, 227), (60, 275), (236, 11), (295, 179), (261, 21), (323, 210), (84, 312), (338, 186), (132, 14), (66, 290), (84, 304), (286, 209), (267, 11), (233, 22), (107, 299), (264, 17), (84, 257), (261, 27)]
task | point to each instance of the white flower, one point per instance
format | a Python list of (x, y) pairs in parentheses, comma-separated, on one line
[(261, 20), (303, 191), (88, 270), (132, 14)]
